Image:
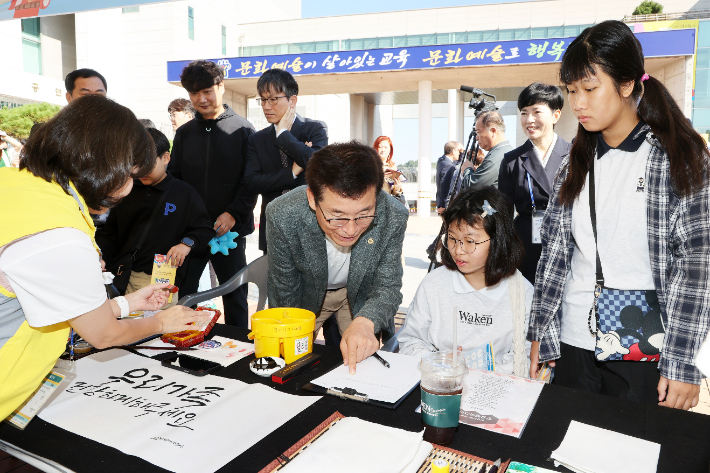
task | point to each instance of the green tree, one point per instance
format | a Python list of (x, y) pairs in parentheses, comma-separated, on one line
[(648, 7), (413, 163), (17, 122)]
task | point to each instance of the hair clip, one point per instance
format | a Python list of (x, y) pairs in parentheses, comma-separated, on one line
[(487, 209), (644, 77)]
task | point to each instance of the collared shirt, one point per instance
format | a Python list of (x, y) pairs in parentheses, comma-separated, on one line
[(631, 143), (678, 232), (623, 250), (545, 158)]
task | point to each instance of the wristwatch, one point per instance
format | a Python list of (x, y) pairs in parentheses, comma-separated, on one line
[(187, 241)]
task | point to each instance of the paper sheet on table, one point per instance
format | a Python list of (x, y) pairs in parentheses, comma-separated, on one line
[(588, 449), (177, 421), (374, 379), (228, 353), (355, 446), (422, 454), (498, 402)]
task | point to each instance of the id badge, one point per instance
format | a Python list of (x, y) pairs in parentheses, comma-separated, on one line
[(27, 411), (536, 224)]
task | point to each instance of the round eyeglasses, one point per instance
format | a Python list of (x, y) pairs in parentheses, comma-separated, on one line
[(468, 246)]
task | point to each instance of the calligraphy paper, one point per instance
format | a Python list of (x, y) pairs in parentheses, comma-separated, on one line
[(377, 381), (174, 420), (498, 402)]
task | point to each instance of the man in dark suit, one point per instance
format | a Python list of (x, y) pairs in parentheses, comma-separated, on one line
[(534, 162), (452, 150), (209, 153), (277, 156), (335, 247), (490, 130)]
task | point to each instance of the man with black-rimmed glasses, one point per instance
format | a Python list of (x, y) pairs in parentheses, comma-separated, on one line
[(335, 247), (278, 155)]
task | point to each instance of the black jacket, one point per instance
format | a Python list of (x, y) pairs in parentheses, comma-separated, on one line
[(182, 215), (265, 173), (512, 182), (443, 165), (210, 155)]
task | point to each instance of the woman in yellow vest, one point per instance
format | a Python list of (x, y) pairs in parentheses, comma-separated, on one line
[(86, 157)]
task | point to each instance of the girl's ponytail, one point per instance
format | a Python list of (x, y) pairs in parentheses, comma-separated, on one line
[(687, 151)]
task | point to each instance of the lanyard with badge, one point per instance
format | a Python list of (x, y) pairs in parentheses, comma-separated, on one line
[(536, 215)]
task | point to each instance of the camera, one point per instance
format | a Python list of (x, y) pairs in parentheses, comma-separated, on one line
[(478, 103)]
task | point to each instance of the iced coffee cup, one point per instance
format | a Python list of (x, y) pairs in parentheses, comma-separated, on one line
[(442, 385)]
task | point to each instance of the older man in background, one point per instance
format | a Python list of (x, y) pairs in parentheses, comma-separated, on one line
[(490, 129)]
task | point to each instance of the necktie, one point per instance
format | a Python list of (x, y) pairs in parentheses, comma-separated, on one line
[(284, 162)]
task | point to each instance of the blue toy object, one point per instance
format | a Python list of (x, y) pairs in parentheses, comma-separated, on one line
[(223, 243)]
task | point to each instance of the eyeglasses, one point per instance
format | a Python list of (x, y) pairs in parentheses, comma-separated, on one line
[(468, 246), (271, 100), (341, 222)]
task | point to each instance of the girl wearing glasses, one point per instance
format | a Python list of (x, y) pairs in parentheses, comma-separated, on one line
[(478, 287)]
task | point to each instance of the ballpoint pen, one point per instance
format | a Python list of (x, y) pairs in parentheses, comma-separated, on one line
[(381, 360)]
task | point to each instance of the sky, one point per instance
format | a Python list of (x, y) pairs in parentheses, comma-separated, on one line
[(315, 8)]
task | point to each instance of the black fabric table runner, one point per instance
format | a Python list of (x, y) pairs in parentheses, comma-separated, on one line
[(684, 436)]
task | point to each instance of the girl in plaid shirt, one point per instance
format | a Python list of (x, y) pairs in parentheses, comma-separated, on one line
[(628, 125)]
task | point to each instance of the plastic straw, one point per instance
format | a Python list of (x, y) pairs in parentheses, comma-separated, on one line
[(456, 320)]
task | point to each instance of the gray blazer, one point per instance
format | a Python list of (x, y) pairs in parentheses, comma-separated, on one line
[(298, 261), (487, 173)]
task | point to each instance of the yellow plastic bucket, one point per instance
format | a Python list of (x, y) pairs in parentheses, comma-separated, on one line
[(283, 331)]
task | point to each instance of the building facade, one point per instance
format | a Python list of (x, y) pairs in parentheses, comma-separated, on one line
[(129, 46)]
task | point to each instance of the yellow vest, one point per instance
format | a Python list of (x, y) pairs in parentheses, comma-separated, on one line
[(33, 205)]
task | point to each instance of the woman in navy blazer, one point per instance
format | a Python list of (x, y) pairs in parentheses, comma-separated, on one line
[(534, 163)]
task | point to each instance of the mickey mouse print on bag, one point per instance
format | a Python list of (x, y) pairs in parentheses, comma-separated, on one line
[(634, 330)]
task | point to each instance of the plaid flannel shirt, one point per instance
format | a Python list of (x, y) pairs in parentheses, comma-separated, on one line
[(679, 246)]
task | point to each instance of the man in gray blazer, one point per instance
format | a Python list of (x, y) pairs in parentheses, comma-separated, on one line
[(490, 129), (335, 247)]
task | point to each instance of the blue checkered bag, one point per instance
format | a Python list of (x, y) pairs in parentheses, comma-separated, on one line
[(629, 325)]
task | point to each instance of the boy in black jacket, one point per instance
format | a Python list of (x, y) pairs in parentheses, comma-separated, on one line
[(181, 229), (209, 153)]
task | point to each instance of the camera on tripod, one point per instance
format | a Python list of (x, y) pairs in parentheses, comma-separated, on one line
[(478, 103)]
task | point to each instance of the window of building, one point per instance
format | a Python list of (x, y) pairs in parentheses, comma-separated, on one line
[(31, 46), (131, 9), (190, 23), (353, 44), (224, 40)]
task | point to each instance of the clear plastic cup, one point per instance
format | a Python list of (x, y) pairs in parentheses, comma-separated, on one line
[(441, 387)]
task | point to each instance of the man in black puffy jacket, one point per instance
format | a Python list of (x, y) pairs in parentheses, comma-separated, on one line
[(209, 153)]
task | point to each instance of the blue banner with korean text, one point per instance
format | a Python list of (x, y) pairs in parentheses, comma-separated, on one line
[(529, 51)]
